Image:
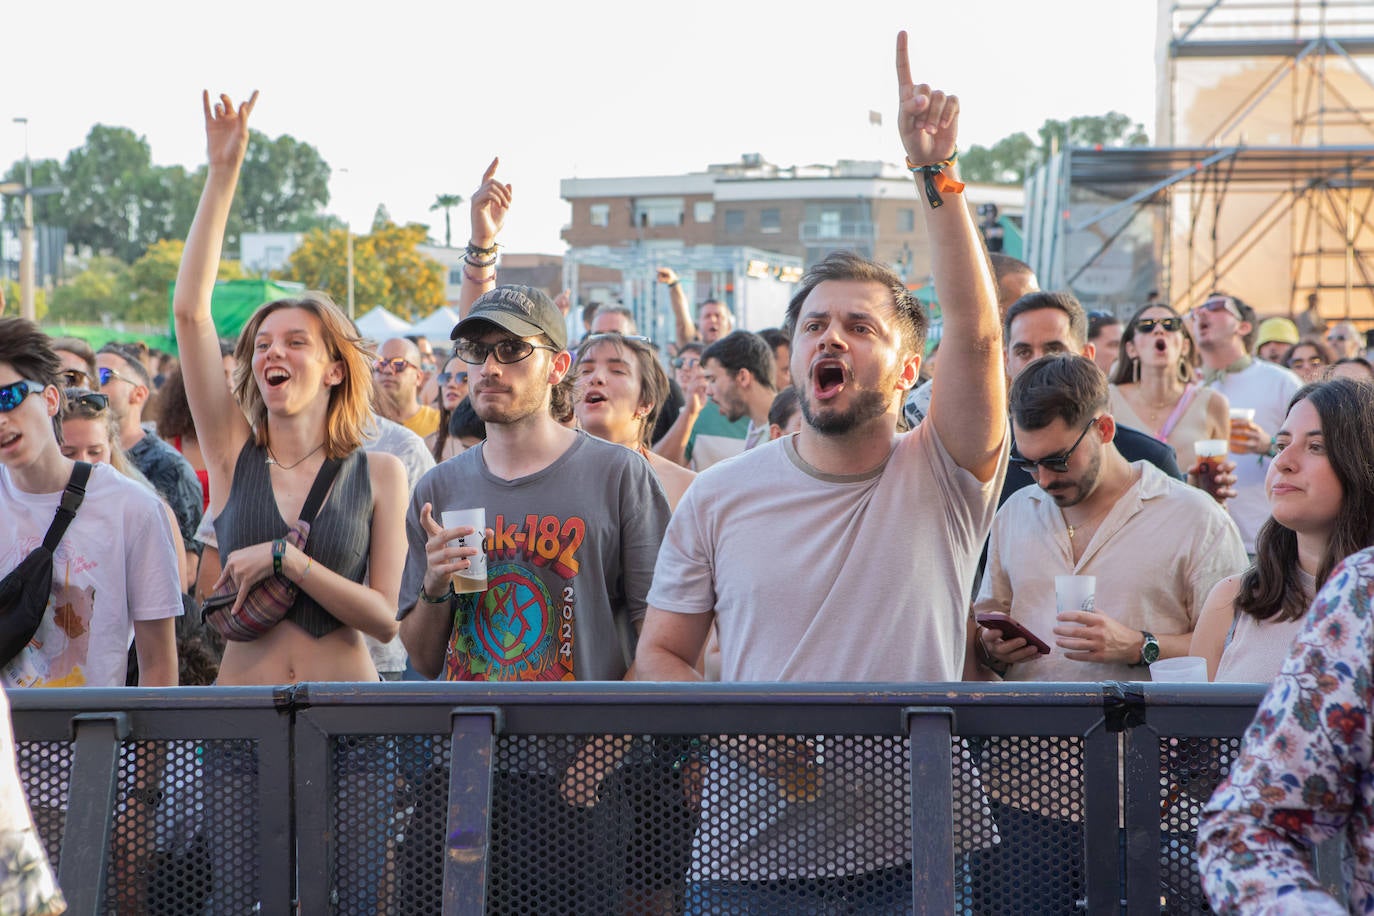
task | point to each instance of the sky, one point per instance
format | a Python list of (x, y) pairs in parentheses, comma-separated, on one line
[(410, 99)]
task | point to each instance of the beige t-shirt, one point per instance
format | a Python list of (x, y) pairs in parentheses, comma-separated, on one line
[(821, 578), (1156, 556)]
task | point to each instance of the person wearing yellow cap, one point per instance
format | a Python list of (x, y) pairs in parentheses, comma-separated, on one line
[(1276, 337)]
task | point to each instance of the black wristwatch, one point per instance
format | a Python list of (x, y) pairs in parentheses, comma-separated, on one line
[(1149, 651)]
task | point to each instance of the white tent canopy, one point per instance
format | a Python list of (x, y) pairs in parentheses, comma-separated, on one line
[(438, 325), (379, 324)]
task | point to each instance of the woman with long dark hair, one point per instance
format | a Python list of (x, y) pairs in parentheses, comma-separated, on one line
[(453, 387), (1320, 488), (1153, 387)]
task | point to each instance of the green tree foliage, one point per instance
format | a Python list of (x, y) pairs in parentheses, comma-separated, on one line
[(388, 269), (1011, 159), (283, 185), (146, 282), (98, 290), (116, 201)]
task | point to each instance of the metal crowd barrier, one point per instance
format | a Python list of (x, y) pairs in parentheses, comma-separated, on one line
[(626, 798)]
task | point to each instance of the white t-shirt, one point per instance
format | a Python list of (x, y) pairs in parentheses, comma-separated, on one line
[(1268, 389), (116, 564), (815, 577)]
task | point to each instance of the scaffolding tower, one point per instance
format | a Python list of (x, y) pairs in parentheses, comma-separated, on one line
[(1264, 180)]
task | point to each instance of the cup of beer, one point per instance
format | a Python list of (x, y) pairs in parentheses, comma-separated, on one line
[(1241, 417), (1210, 453), (474, 578)]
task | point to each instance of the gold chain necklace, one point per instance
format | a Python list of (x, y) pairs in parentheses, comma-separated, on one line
[(272, 459)]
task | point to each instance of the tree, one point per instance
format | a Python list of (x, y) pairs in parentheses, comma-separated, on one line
[(98, 290), (388, 269), (446, 202), (1011, 159), (284, 183), (104, 183), (147, 282), (46, 209), (381, 217)]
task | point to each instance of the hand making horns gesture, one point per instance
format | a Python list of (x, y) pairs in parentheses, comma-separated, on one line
[(927, 119), (226, 129)]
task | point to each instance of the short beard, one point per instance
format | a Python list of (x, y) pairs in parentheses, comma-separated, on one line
[(868, 405), (1086, 482)]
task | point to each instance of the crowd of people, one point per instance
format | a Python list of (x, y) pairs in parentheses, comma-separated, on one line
[(272, 510)]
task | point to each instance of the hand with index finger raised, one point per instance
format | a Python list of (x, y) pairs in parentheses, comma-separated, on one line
[(928, 120), (490, 204)]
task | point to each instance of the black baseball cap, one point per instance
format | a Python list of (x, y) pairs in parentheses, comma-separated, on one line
[(522, 310)]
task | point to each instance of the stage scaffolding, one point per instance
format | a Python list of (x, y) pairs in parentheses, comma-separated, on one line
[(1266, 189)]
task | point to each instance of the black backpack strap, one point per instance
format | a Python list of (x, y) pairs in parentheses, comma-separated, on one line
[(328, 471), (72, 497)]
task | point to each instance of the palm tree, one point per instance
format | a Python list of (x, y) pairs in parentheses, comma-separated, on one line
[(446, 202)]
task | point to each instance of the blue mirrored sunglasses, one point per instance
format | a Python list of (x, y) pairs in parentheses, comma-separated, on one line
[(13, 394)]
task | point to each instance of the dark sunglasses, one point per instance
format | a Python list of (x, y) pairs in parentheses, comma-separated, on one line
[(1056, 463), (1337, 338), (75, 378), (1099, 314), (91, 400), (107, 374), (13, 394), (683, 362), (395, 366), (507, 351), (1147, 325), (446, 377)]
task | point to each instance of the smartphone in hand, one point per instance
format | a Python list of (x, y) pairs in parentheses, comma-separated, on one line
[(1010, 629)]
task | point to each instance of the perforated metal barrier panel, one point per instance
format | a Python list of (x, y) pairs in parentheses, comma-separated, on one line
[(1015, 801)]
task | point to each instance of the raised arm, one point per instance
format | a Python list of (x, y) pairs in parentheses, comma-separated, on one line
[(677, 297), (969, 397), (220, 425), (490, 203)]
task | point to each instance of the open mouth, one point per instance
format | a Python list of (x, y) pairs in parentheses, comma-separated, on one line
[(9, 439), (829, 377), (1160, 345), (276, 376), (594, 397)]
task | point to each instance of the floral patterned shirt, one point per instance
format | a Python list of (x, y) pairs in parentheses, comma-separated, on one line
[(1305, 771)]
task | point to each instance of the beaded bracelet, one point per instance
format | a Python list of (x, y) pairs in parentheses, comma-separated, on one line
[(468, 259), (437, 599), (480, 250), (936, 180), (471, 278)]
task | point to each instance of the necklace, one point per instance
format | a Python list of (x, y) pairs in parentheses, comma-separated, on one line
[(1074, 529), (272, 459)]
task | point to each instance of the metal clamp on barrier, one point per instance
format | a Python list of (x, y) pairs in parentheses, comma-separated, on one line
[(1123, 705), (930, 730), (467, 833), (90, 809)]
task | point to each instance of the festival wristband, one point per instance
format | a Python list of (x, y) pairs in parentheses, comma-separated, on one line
[(278, 553)]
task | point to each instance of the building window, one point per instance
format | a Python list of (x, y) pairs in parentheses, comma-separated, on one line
[(659, 211), (601, 215), (770, 220), (734, 221), (455, 276), (704, 211), (830, 224), (906, 220)]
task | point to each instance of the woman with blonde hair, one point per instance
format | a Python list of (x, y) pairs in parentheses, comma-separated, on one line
[(295, 416), (1154, 386)]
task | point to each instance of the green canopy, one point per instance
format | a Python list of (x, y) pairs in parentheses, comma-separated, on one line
[(97, 336), (233, 301)]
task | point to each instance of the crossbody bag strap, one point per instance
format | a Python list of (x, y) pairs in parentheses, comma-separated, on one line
[(72, 498), (323, 479)]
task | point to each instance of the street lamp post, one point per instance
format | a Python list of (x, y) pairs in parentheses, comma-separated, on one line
[(26, 253), (348, 227)]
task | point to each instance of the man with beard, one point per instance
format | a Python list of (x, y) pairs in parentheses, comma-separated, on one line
[(1156, 547), (738, 370), (574, 526), (880, 531), (399, 379)]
